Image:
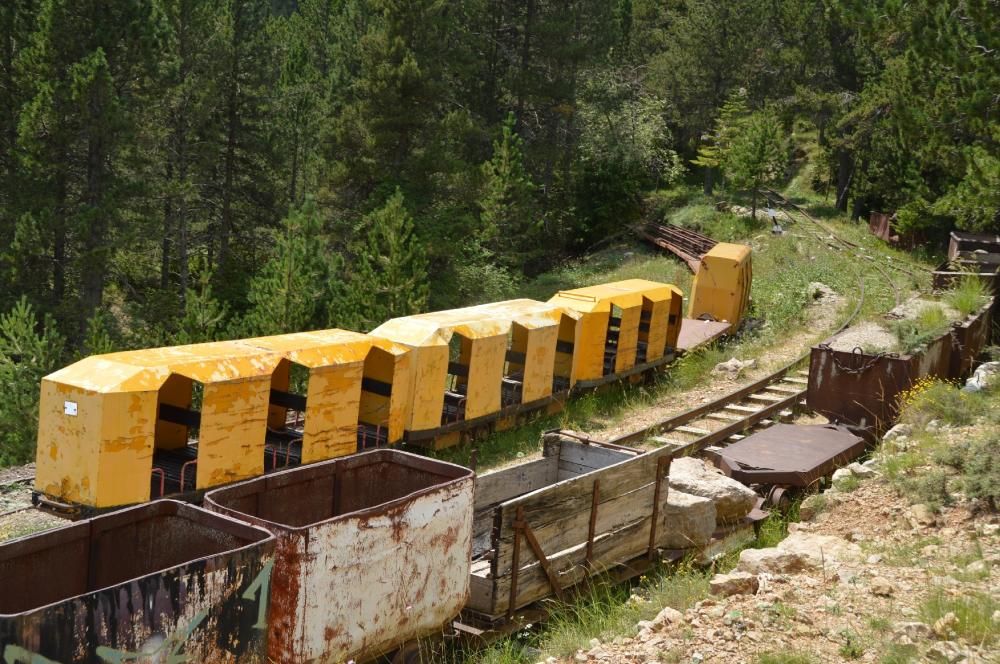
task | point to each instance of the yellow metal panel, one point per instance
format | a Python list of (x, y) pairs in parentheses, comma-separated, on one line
[(540, 351), (68, 446), (589, 349), (318, 348), (126, 456), (565, 362), (281, 379), (656, 338), (485, 375), (674, 321), (331, 428), (721, 285), (428, 370), (628, 335), (233, 426)]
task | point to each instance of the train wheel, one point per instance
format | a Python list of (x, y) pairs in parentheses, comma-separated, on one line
[(780, 497)]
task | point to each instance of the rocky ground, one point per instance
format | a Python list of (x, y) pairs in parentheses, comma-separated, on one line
[(866, 578)]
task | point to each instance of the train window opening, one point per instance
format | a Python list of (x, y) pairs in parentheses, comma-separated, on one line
[(376, 399), (286, 416), (175, 440), (457, 381), (611, 339), (512, 383), (563, 369)]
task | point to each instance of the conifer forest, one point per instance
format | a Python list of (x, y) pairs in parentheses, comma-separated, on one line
[(178, 171)]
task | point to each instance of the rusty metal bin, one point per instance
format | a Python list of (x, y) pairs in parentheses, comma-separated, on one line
[(158, 582), (861, 390), (373, 551), (968, 340)]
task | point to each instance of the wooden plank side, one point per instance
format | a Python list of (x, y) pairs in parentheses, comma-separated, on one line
[(496, 487), (481, 593), (591, 456), (570, 568), (572, 530), (553, 503)]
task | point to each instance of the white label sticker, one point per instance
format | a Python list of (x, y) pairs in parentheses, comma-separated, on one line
[(69, 408)]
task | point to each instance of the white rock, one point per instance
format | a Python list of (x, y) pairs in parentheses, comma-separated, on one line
[(733, 367), (978, 567), (945, 625), (922, 515), (882, 587), (668, 616), (820, 549), (914, 630), (771, 560), (900, 430), (842, 474), (984, 376), (947, 652), (860, 470), (732, 500), (736, 583), (691, 521)]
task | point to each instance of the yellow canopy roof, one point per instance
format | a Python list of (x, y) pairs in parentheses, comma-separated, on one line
[(98, 373), (137, 370), (627, 293), (485, 320), (319, 348)]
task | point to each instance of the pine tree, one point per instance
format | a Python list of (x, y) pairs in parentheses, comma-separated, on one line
[(28, 351), (509, 228), (293, 291), (390, 277), (204, 316), (756, 155)]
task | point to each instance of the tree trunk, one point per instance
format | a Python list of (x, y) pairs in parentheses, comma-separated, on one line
[(709, 183), (845, 171), (525, 58), (95, 236), (232, 135), (168, 229), (753, 203)]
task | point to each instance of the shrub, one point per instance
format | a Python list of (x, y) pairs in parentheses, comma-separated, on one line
[(974, 612), (968, 296), (978, 463), (915, 333), (931, 399)]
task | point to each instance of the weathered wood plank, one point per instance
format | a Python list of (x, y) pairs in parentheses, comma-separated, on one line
[(590, 455), (496, 487), (572, 530), (553, 503)]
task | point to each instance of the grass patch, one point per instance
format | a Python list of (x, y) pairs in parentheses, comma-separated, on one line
[(974, 612), (851, 648), (899, 654), (968, 296), (916, 333), (848, 484)]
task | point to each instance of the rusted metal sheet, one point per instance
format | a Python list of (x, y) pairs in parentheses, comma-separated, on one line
[(861, 390), (948, 273), (696, 333), (880, 225), (983, 248), (790, 454), (373, 550), (968, 340), (164, 582)]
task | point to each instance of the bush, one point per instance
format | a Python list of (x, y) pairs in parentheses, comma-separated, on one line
[(978, 463), (931, 399), (915, 333), (968, 296)]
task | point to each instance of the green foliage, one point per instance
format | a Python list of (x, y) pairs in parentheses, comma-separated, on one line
[(973, 610), (852, 647), (915, 333), (390, 277), (978, 462), (29, 350), (204, 317), (756, 155), (967, 296), (294, 290), (942, 401)]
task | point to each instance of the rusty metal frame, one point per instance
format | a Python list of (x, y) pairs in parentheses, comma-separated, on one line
[(523, 529)]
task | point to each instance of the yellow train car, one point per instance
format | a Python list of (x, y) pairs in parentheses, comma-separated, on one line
[(721, 289), (108, 423), (625, 327), (471, 364)]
